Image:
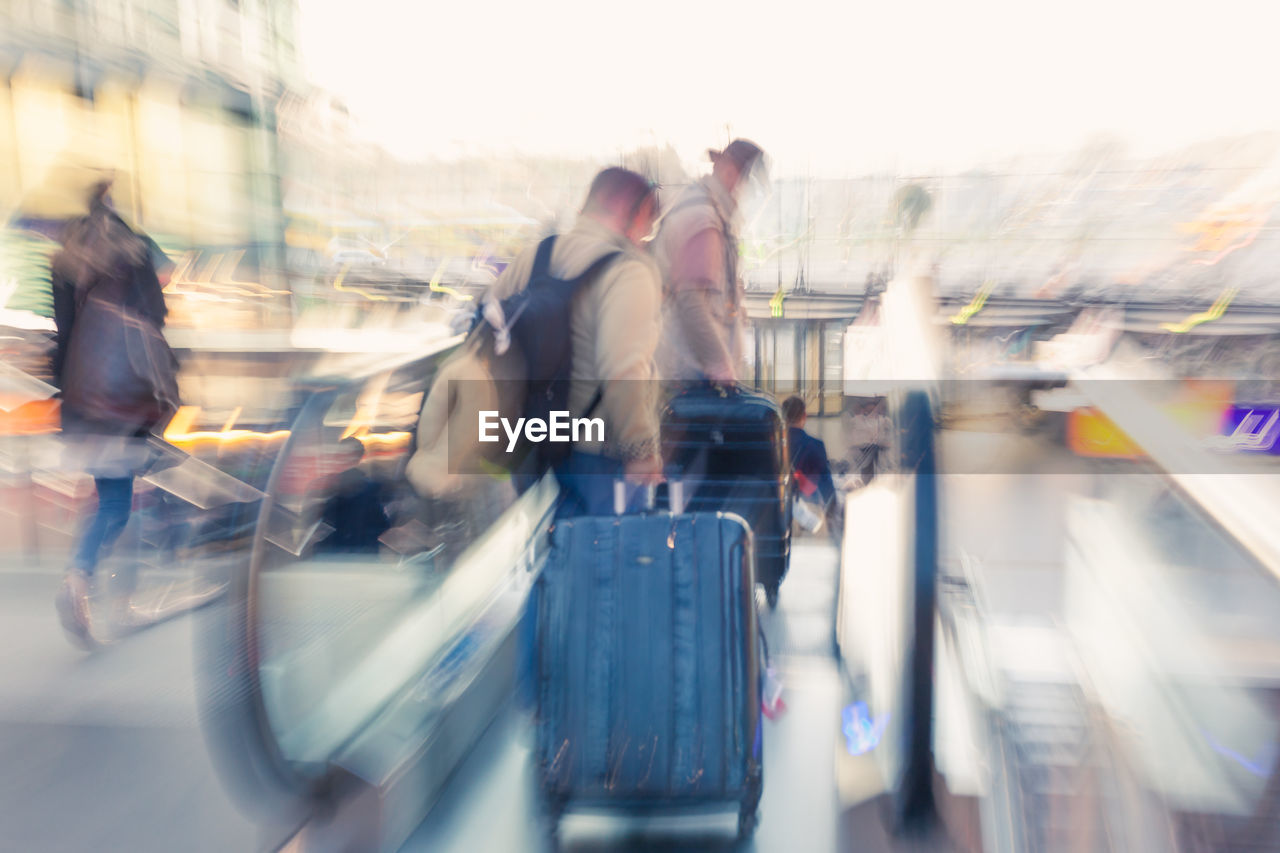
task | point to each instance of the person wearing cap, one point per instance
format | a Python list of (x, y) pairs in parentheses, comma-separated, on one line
[(697, 251)]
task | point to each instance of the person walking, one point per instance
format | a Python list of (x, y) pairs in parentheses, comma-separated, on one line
[(697, 250), (808, 454), (118, 380), (614, 326)]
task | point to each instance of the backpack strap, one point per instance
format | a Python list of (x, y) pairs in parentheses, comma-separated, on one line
[(542, 260), (597, 266)]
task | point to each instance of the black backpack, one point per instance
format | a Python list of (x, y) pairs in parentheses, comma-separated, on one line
[(537, 321)]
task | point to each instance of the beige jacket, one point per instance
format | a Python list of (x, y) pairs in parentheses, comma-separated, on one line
[(697, 252), (615, 323)]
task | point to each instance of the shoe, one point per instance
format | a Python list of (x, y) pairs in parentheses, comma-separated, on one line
[(72, 603), (124, 616)]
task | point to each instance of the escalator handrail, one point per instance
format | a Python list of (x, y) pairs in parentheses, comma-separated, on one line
[(361, 371), (1240, 505), (234, 716), (1228, 491)]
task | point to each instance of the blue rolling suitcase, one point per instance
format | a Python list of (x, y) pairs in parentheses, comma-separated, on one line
[(649, 666), (729, 447)]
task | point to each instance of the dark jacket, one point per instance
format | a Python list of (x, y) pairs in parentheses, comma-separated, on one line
[(809, 461), (117, 373)]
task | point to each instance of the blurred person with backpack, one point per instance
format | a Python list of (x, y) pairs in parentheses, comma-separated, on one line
[(117, 375), (571, 325), (697, 251)]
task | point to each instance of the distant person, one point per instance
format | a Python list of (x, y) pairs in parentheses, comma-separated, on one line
[(614, 325), (808, 454), (697, 250), (118, 379), (868, 433), (354, 508)]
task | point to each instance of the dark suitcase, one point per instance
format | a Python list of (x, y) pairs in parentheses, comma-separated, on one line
[(729, 448), (649, 666)]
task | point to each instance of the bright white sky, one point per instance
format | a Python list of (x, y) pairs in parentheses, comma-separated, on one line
[(829, 87)]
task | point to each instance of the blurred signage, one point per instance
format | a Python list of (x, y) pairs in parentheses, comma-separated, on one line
[(1091, 433), (1253, 429), (1201, 407)]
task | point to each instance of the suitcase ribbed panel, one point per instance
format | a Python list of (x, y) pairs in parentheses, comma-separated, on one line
[(648, 663)]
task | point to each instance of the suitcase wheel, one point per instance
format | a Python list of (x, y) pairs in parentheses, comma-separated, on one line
[(749, 812), (550, 820), (551, 837), (551, 808)]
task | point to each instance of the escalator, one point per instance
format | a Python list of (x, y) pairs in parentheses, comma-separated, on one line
[(1124, 659), (361, 655), (1080, 655)]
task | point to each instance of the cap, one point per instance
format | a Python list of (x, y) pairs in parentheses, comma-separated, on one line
[(743, 153), (748, 157)]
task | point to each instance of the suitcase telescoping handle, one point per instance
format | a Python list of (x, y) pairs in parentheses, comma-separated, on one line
[(719, 389), (675, 492)]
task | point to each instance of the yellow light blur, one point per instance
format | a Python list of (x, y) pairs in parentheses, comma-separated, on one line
[(1215, 312), (385, 440), (437, 287), (975, 305), (337, 285), (234, 436), (179, 432)]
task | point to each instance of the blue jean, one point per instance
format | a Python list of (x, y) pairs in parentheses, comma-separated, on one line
[(586, 488), (115, 503), (587, 483)]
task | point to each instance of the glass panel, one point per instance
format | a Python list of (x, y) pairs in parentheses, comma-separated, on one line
[(833, 355), (362, 581), (785, 369), (1177, 626), (832, 367)]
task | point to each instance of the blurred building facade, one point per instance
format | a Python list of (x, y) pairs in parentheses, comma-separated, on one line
[(178, 97), (265, 192)]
